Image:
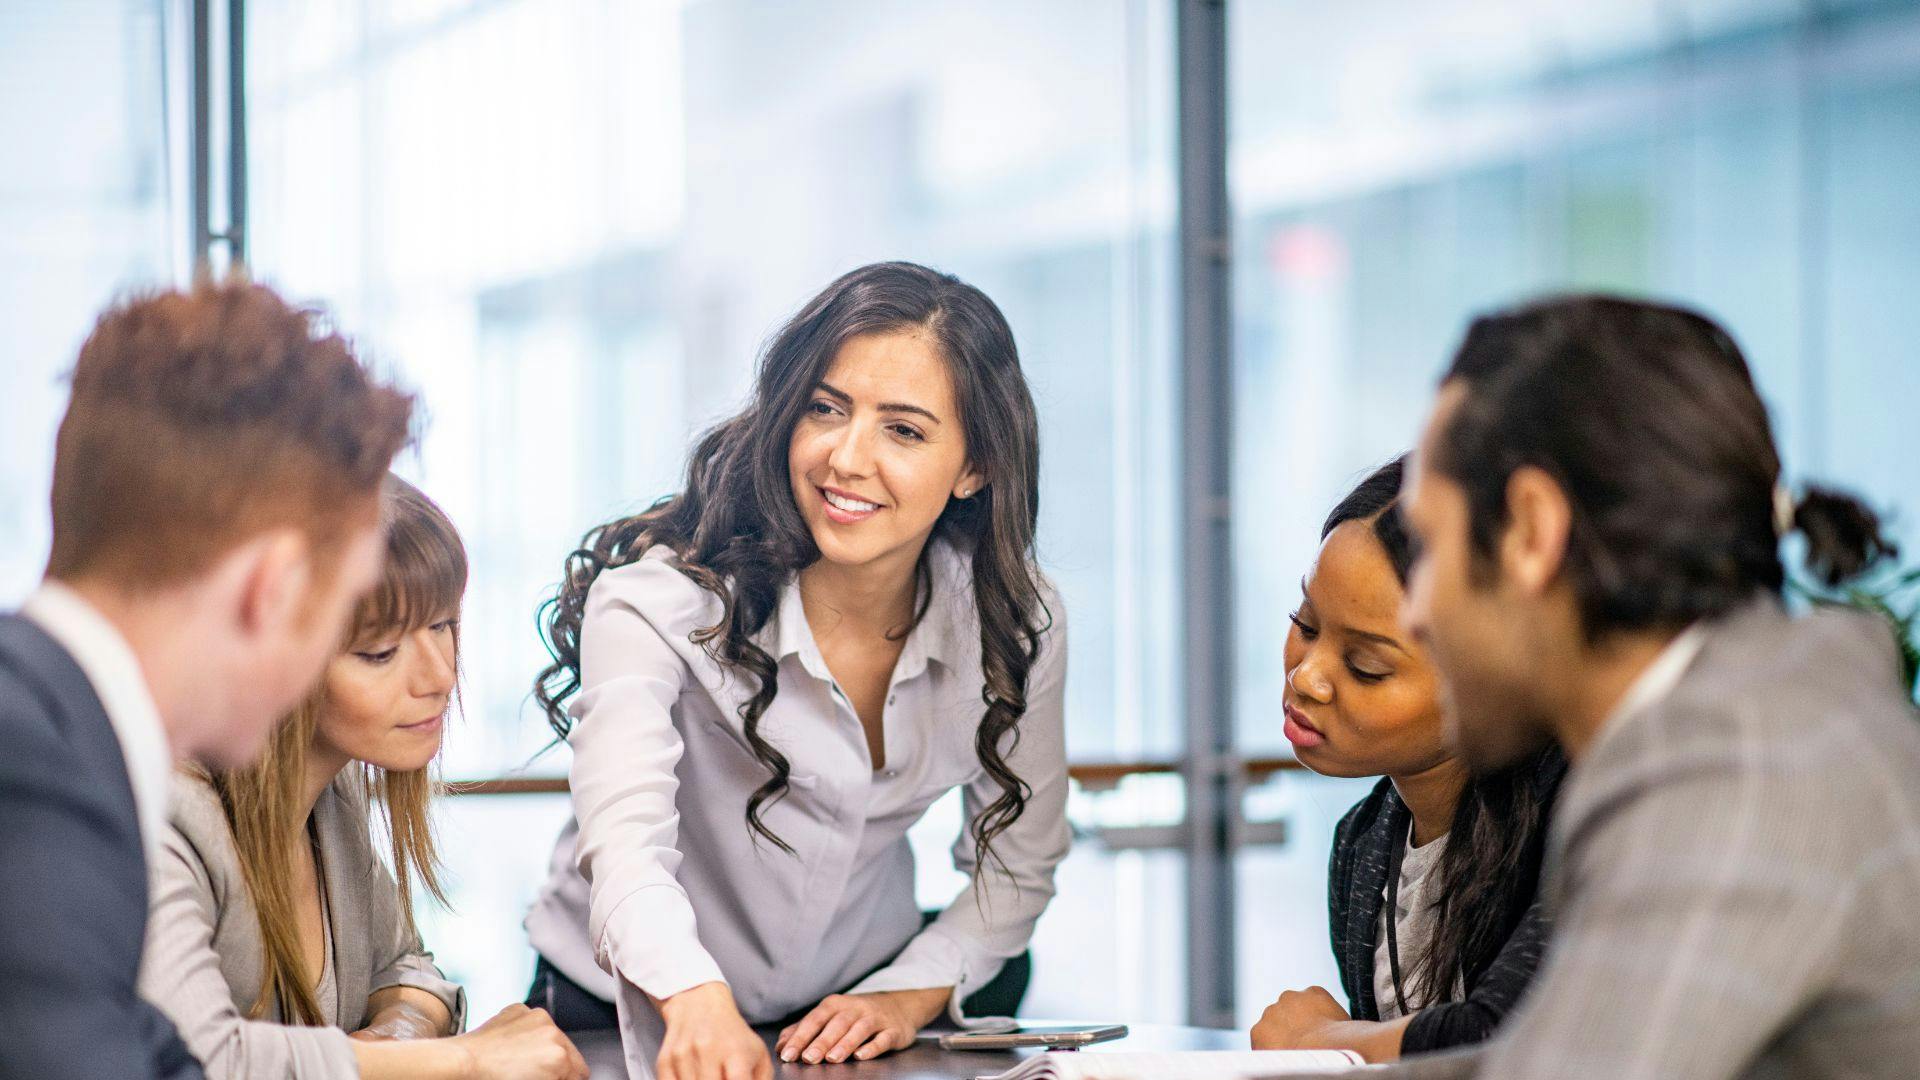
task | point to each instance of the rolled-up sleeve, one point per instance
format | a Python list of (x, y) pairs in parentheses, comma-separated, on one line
[(992, 920), (411, 965), (180, 974), (625, 748)]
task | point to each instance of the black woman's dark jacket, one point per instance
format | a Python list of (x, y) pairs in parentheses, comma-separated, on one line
[(1363, 849)]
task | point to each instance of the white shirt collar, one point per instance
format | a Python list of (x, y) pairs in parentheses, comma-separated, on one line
[(1661, 676), (110, 665), (935, 638)]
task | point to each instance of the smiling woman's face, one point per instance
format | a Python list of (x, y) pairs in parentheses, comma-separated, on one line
[(879, 450), (1361, 697)]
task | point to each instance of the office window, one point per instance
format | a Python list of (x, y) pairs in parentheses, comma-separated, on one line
[(86, 213), (571, 225), (1399, 168)]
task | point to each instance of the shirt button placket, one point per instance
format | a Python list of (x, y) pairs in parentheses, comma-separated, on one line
[(892, 770)]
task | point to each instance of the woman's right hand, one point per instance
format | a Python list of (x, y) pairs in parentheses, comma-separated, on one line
[(521, 1044), (708, 1040)]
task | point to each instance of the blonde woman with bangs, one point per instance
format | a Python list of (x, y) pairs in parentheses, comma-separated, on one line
[(278, 941)]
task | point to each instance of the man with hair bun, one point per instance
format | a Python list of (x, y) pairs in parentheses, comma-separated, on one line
[(215, 518), (1734, 857)]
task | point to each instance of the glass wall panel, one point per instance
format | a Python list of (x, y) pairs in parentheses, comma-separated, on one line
[(1397, 168), (478, 942), (84, 216), (571, 224)]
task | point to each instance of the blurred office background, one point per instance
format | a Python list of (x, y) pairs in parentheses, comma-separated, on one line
[(571, 223)]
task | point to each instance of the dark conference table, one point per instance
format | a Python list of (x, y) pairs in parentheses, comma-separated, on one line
[(926, 1061)]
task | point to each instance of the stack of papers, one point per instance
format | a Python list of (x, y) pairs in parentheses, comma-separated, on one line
[(1190, 1065)]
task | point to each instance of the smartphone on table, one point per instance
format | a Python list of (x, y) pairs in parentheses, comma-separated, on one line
[(1062, 1037)]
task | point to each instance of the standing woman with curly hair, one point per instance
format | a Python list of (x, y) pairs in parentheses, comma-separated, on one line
[(768, 677)]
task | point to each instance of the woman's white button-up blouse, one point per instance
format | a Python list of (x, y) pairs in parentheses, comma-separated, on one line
[(658, 878)]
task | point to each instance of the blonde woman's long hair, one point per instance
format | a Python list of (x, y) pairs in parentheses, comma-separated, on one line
[(423, 580)]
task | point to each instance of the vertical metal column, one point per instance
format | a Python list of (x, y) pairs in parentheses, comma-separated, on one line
[(200, 131), (1211, 767), (231, 15), (236, 235)]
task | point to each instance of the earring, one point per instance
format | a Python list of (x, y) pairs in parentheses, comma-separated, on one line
[(966, 493)]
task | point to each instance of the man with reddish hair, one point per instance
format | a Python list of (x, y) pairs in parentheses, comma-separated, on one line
[(215, 517)]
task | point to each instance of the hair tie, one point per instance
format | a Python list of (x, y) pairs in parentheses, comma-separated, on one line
[(1784, 509)]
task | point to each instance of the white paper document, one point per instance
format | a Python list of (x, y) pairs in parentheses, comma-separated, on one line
[(1189, 1065)]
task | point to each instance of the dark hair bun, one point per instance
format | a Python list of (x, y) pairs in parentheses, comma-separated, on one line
[(1843, 535)]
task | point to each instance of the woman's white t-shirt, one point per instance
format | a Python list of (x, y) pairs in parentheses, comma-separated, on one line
[(1412, 926)]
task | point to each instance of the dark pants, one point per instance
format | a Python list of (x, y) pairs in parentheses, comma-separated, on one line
[(575, 1008)]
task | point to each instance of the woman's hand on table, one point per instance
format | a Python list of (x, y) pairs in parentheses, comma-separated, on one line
[(1311, 1019), (1292, 1022), (519, 1043), (708, 1040), (861, 1026)]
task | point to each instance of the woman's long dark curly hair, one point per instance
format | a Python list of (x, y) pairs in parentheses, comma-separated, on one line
[(734, 528), (1490, 870)]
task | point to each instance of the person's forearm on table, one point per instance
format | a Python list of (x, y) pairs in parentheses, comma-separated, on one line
[(1311, 1019), (405, 1012), (1376, 1040)]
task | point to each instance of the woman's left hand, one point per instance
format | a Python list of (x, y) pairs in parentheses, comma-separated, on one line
[(1292, 1022), (861, 1026)]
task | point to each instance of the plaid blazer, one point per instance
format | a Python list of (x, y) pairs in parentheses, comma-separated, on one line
[(1735, 870)]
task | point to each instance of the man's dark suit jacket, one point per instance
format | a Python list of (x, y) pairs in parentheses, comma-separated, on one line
[(73, 882)]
